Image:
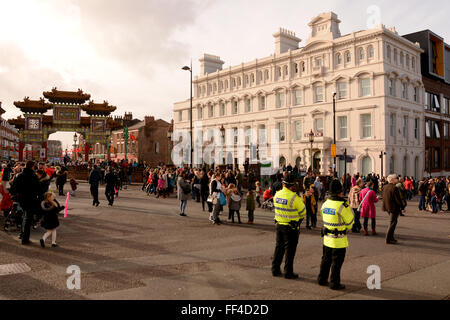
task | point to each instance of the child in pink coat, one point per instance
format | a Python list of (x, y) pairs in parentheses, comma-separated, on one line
[(368, 207)]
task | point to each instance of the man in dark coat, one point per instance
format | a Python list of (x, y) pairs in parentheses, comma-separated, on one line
[(392, 203), (25, 189), (111, 180), (94, 180)]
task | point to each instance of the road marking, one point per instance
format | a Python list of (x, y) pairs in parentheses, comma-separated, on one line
[(16, 268)]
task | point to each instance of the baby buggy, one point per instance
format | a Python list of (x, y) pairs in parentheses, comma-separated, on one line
[(268, 204), (13, 218)]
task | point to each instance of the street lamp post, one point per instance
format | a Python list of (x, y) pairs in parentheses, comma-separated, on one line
[(311, 140), (186, 68), (334, 129), (75, 138), (169, 136), (125, 137), (382, 154), (108, 147), (222, 132)]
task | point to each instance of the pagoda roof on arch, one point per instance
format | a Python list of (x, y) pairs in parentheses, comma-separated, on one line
[(33, 106), (98, 108), (75, 97)]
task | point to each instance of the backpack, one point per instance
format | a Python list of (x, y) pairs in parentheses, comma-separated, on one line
[(187, 188)]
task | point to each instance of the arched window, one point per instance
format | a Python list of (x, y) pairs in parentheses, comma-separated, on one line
[(370, 52), (401, 58), (267, 75), (260, 76), (226, 84), (282, 162), (392, 165), (252, 78), (239, 81), (405, 166), (366, 165), (361, 54), (286, 71), (298, 162), (200, 113), (279, 72), (246, 79), (348, 57), (416, 168), (395, 56), (303, 67), (413, 64), (156, 147), (338, 59), (407, 61)]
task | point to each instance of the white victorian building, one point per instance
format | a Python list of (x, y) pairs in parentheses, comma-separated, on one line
[(375, 74)]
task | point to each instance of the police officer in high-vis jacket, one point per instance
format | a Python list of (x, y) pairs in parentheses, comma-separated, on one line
[(338, 219), (289, 214)]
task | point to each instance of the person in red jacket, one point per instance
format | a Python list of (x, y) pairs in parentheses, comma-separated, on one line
[(409, 188), (7, 203)]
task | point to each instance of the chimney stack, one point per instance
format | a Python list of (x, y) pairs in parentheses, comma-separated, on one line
[(210, 64), (285, 40)]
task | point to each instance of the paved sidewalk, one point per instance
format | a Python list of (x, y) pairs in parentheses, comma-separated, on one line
[(142, 249)]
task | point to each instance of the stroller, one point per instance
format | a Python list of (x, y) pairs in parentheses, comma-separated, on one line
[(268, 204), (13, 218)]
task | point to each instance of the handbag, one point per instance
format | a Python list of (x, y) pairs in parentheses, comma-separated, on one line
[(360, 205), (222, 200)]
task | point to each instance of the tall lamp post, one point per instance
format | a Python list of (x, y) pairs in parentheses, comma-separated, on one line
[(169, 136), (186, 68), (108, 147), (382, 154), (311, 140), (75, 138), (222, 132), (125, 137), (334, 130)]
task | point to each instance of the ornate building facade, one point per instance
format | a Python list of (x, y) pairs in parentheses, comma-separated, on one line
[(375, 76)]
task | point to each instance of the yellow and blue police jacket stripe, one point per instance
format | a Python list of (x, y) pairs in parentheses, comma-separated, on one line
[(288, 207), (336, 216)]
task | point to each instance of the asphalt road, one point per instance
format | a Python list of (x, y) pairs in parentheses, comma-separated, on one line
[(142, 249)]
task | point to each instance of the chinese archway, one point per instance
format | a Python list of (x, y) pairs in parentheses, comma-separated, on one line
[(67, 107)]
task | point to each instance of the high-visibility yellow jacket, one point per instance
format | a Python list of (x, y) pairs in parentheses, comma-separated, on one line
[(288, 207), (336, 215)]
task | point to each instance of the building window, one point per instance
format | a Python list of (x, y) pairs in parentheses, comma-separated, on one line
[(297, 97), (342, 125), (370, 52), (267, 75), (364, 85), (395, 56), (226, 84), (445, 106), (235, 107), (298, 131), (436, 131), (318, 62), (282, 129), (296, 68), (446, 160), (248, 105), (392, 87), (280, 99), (262, 103), (435, 104), (405, 127), (222, 109), (446, 136), (342, 90), (427, 101), (262, 133), (286, 71), (156, 147), (388, 53), (235, 136), (407, 61), (338, 59), (413, 64), (405, 166), (279, 72), (405, 91), (303, 67), (348, 57), (239, 81), (366, 165), (200, 113), (180, 116), (318, 125), (211, 111), (318, 94), (436, 158), (401, 58), (428, 128), (248, 135), (366, 126), (416, 128), (392, 164), (416, 94), (361, 54)]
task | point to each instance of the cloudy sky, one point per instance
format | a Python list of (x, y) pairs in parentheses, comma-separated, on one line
[(130, 53)]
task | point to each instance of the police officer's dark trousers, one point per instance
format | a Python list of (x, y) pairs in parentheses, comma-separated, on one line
[(287, 240), (332, 259), (94, 193)]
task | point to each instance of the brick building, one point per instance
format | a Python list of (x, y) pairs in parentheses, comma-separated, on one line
[(435, 63), (9, 139)]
